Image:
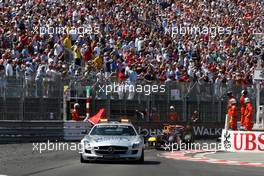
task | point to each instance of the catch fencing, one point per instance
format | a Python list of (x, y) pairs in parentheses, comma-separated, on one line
[(208, 99), (21, 100), (18, 101)]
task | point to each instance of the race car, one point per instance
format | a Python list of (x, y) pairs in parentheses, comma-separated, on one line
[(174, 135), (112, 141)]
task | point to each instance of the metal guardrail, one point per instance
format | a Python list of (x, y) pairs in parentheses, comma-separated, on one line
[(41, 131), (56, 131), (33, 131)]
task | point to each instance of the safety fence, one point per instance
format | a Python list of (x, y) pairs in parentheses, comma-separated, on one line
[(25, 87), (26, 108), (210, 100), (18, 101), (21, 99)]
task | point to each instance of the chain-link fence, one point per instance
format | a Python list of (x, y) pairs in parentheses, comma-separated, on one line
[(22, 99), (148, 101)]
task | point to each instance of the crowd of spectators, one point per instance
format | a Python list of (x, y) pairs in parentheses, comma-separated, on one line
[(45, 40)]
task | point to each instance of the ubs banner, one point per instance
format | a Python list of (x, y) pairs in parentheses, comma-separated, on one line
[(242, 141)]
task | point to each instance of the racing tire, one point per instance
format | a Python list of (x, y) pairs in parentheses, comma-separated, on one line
[(141, 159)]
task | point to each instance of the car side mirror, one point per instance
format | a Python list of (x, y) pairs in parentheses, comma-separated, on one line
[(84, 132)]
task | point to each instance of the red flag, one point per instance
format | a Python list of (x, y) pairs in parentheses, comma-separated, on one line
[(96, 118)]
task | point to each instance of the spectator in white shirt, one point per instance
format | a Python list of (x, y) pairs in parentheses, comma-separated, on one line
[(41, 73), (29, 79), (58, 48), (9, 69)]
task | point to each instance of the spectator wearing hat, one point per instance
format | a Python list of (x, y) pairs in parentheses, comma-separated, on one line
[(172, 116), (248, 114), (75, 112), (244, 94)]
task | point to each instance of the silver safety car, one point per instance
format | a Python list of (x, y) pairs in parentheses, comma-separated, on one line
[(112, 141)]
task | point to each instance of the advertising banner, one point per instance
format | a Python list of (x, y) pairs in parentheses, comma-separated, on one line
[(242, 141)]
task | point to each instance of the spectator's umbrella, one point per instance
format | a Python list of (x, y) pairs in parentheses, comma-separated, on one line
[(96, 118)]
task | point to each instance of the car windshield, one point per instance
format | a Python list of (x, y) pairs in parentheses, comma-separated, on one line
[(113, 130)]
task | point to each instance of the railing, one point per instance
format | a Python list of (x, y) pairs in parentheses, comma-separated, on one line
[(31, 131)]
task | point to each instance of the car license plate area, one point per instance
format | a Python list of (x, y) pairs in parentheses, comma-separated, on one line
[(111, 156)]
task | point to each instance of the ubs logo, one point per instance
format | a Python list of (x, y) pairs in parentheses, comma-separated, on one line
[(227, 142)]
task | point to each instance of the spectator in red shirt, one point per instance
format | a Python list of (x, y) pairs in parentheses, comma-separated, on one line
[(88, 54), (121, 75)]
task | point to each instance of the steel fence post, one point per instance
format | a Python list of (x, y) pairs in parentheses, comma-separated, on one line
[(168, 102), (4, 100), (184, 106), (22, 103), (219, 110), (108, 106)]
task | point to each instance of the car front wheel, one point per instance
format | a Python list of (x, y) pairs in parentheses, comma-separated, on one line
[(141, 159)]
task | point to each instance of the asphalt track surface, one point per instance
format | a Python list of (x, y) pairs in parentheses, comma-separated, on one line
[(20, 160)]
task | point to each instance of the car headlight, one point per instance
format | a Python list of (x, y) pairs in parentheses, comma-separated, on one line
[(86, 144), (136, 144)]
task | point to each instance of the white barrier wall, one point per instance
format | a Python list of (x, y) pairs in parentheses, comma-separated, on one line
[(242, 141)]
